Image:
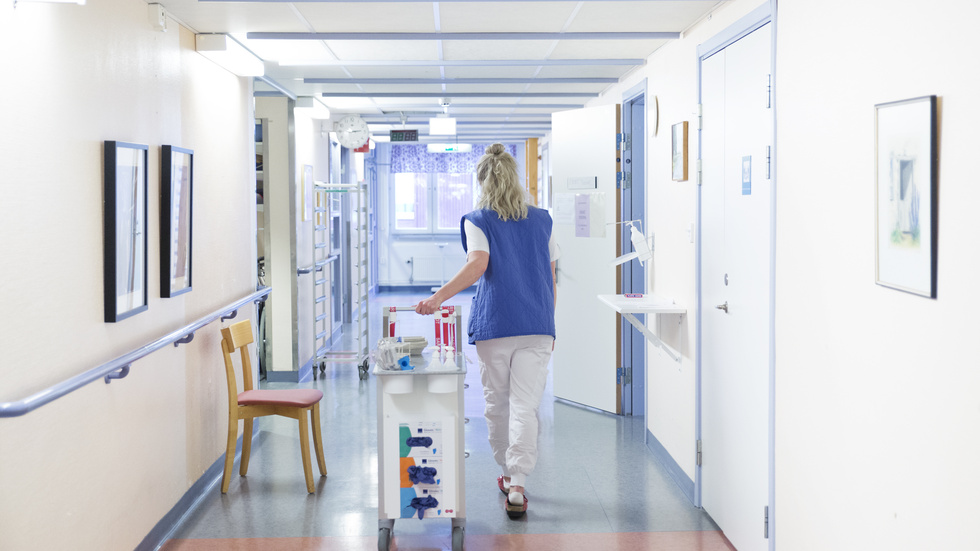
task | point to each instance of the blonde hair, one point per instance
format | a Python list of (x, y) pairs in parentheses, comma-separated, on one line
[(501, 186)]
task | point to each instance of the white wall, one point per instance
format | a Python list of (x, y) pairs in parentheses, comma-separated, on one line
[(878, 391), (671, 74), (98, 468), (877, 409)]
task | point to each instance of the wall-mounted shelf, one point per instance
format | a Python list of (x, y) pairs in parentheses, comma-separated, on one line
[(647, 304)]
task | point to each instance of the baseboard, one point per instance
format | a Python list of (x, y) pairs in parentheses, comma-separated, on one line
[(186, 505), (305, 374), (674, 471)]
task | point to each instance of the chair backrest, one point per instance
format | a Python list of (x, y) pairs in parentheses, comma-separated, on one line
[(237, 337)]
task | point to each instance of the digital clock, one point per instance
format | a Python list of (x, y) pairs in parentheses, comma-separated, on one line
[(404, 135)]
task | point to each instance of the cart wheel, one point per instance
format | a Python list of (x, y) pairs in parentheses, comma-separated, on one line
[(362, 370), (457, 538), (384, 539)]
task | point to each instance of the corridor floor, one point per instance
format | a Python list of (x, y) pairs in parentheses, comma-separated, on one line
[(596, 486)]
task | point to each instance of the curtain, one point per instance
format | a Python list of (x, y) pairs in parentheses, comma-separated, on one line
[(416, 158)]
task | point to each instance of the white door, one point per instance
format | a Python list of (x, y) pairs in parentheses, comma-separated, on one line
[(584, 161), (735, 288)]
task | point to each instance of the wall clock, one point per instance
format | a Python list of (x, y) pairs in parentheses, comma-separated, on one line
[(352, 131)]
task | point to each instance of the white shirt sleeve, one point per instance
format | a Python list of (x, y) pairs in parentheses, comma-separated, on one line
[(476, 240)]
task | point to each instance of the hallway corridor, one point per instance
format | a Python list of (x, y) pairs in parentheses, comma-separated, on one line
[(596, 486)]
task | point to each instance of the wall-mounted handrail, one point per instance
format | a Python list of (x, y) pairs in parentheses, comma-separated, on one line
[(119, 367)]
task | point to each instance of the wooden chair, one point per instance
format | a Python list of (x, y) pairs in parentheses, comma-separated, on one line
[(250, 403)]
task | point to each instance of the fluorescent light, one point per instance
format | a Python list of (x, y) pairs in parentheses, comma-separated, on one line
[(449, 147), (230, 54), (312, 107), (442, 126)]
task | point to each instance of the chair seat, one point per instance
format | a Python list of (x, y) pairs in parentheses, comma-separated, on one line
[(299, 397)]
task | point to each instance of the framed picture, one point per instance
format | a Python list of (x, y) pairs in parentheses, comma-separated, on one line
[(906, 215), (124, 231), (678, 148), (176, 214)]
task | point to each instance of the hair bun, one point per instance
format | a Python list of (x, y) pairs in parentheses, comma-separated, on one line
[(495, 149)]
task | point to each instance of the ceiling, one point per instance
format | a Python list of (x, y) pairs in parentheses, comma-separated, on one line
[(499, 67)]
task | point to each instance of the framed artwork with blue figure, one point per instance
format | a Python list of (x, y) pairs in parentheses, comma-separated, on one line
[(906, 201)]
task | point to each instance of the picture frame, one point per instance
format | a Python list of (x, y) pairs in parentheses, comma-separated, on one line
[(124, 229), (678, 148), (176, 220), (906, 200)]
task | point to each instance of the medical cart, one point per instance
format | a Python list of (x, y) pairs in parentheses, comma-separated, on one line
[(420, 429)]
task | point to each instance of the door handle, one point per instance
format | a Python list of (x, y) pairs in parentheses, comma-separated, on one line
[(723, 307)]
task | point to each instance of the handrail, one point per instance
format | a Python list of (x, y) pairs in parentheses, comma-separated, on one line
[(119, 367)]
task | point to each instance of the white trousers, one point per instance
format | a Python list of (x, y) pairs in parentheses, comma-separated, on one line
[(514, 371)]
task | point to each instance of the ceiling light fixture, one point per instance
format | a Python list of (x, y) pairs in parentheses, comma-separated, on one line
[(230, 54), (442, 126), (449, 147)]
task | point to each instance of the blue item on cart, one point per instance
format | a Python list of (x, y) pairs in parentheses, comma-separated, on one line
[(403, 363), (418, 442), (421, 475), (422, 503)]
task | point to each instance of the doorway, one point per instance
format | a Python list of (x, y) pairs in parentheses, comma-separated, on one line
[(735, 281), (633, 274)]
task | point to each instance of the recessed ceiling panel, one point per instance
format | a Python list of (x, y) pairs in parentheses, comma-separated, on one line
[(566, 88), (504, 16), (578, 49), (384, 49), (394, 72), (639, 16), (490, 72), (496, 49), (401, 88), (350, 17), (584, 71)]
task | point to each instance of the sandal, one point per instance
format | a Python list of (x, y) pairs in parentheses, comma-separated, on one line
[(516, 511), (504, 488)]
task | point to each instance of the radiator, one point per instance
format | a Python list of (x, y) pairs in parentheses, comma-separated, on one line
[(428, 269)]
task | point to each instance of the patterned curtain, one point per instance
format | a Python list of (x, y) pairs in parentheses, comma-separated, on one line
[(416, 158)]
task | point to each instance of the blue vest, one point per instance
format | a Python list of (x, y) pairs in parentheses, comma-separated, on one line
[(515, 296)]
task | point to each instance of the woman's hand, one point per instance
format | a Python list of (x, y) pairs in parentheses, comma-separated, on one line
[(428, 306)]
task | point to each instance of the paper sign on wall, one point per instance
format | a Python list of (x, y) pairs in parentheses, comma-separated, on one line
[(564, 212), (582, 182), (590, 215), (747, 175)]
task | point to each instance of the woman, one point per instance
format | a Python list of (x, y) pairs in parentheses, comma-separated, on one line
[(512, 322)]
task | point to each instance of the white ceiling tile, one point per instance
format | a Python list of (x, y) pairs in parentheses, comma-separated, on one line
[(490, 72), (600, 49), (394, 72), (584, 71), (638, 16), (384, 49), (350, 17), (504, 16), (490, 49)]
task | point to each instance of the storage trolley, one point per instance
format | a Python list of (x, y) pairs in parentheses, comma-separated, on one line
[(420, 427)]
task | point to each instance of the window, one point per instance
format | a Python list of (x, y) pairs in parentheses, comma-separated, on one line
[(432, 203), (411, 201)]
